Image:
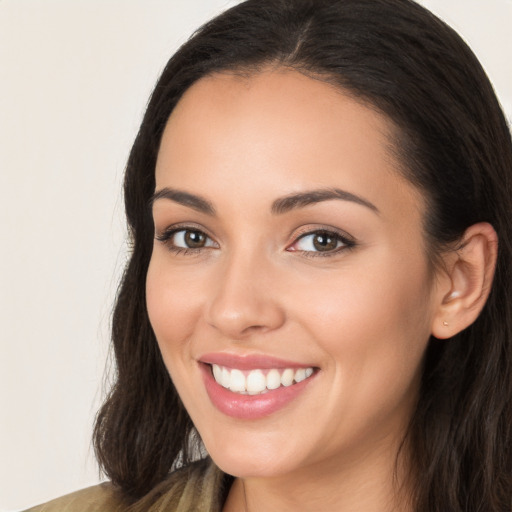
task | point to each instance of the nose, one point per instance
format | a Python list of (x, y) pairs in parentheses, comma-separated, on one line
[(244, 300)]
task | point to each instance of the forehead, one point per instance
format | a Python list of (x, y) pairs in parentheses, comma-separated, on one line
[(282, 105), (277, 132)]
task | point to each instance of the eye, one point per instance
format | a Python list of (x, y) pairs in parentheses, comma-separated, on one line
[(189, 239), (183, 239), (321, 241)]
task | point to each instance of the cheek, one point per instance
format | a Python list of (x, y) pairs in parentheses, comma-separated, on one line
[(373, 324), (173, 304), (380, 293)]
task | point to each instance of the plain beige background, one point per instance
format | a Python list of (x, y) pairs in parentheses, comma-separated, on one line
[(74, 80)]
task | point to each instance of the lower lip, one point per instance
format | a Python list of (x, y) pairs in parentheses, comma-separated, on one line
[(250, 407)]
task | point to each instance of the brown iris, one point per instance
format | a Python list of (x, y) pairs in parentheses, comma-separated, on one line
[(195, 239), (325, 242)]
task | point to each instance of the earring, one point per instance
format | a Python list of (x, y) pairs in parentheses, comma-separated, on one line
[(445, 324)]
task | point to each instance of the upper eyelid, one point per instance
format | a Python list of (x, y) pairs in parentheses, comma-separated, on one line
[(186, 226), (309, 230), (312, 233)]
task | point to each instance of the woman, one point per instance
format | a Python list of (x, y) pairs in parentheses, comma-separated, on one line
[(319, 291)]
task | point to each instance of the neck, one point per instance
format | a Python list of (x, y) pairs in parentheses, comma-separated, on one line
[(375, 482)]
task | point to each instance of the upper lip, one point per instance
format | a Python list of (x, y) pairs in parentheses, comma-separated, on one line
[(249, 362)]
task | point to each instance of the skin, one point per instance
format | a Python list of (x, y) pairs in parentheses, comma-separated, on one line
[(362, 315)]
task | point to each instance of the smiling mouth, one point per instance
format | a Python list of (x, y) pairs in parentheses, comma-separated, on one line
[(258, 381)]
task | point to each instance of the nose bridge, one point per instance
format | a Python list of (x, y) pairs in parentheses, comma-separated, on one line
[(242, 301)]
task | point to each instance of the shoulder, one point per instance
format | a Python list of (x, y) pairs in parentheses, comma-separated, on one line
[(99, 498), (201, 487)]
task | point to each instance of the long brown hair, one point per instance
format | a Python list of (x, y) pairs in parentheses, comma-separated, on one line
[(453, 143)]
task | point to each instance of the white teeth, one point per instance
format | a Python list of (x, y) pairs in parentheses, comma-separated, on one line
[(287, 377), (273, 379), (225, 378), (255, 382), (237, 381), (217, 374), (300, 375)]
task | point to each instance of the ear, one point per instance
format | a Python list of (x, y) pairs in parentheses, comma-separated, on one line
[(467, 281)]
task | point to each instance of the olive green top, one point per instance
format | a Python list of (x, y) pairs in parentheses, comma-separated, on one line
[(200, 487)]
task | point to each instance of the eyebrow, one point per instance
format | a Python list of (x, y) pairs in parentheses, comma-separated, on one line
[(279, 206), (302, 199), (179, 196)]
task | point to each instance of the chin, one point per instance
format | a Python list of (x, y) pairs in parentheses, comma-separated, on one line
[(256, 457), (247, 468)]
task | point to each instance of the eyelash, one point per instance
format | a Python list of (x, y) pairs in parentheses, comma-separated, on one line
[(348, 243), (168, 234)]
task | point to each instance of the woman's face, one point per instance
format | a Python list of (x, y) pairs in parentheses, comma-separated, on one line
[(288, 248)]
